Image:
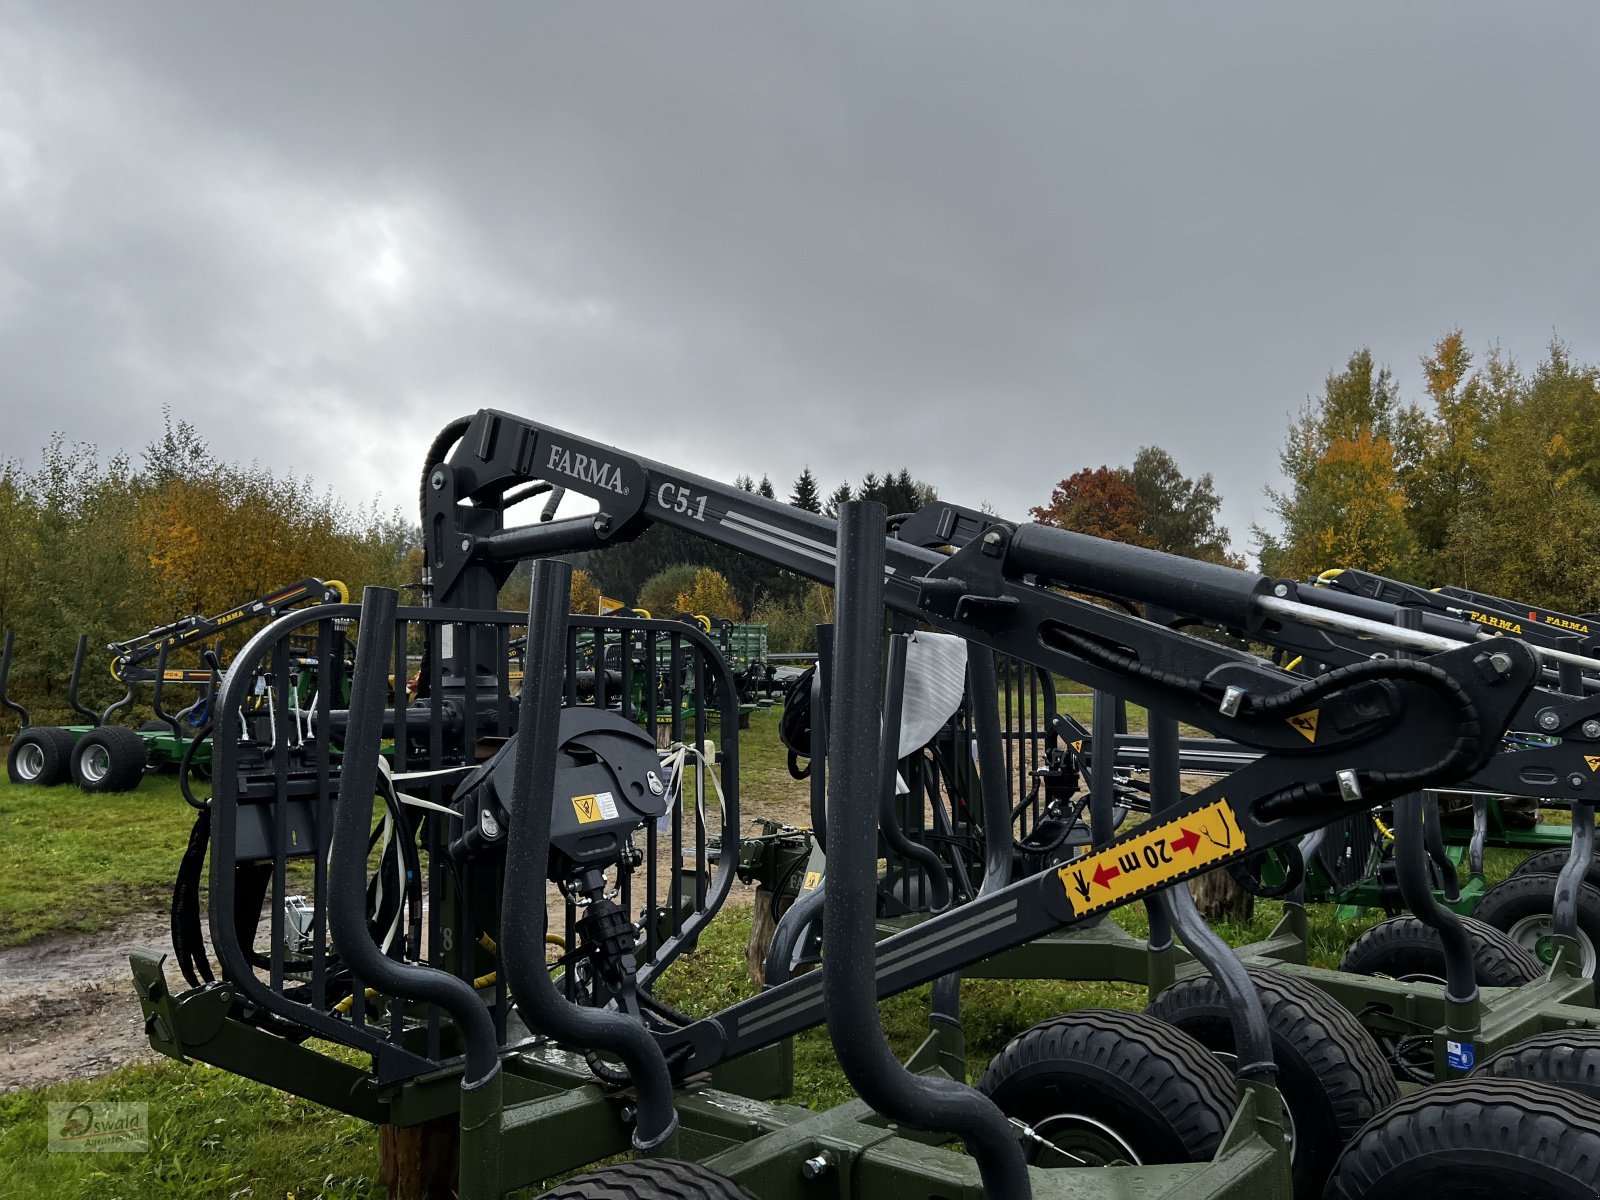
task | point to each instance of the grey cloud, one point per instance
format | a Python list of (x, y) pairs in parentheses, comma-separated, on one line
[(995, 243)]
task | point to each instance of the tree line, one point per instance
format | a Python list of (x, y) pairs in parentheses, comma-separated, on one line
[(1490, 481), (113, 546)]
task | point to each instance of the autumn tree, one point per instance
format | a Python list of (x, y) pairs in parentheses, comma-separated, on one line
[(1344, 506), (709, 594), (584, 595), (1100, 501)]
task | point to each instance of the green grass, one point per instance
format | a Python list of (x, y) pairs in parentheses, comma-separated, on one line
[(71, 862)]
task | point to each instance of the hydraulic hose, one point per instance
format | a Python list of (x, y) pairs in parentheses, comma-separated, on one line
[(524, 921), (849, 992)]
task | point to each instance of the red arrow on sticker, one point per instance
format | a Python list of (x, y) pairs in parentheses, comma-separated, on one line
[(1188, 841), (1103, 875)]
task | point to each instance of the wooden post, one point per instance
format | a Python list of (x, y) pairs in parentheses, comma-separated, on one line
[(420, 1162), (1219, 898)]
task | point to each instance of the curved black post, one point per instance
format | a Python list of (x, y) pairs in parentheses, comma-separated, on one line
[(888, 819), (984, 688), (1564, 917), (820, 691), (799, 918), (5, 676), (1251, 1037), (849, 993), (523, 922), (1433, 838), (87, 714), (1103, 767), (157, 687), (347, 855)]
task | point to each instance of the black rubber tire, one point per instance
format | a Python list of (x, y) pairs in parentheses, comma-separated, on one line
[(650, 1179), (155, 727), (1526, 898), (1550, 862), (124, 762), (1166, 1097), (1566, 1058), (1476, 1139), (1405, 948), (54, 754), (1332, 1075)]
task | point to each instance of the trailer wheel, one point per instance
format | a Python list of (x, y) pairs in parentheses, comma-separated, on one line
[(1550, 862), (1565, 1058), (39, 756), (1404, 948), (1332, 1075), (109, 759), (155, 727), (650, 1179), (1476, 1139), (1103, 1086), (1522, 908)]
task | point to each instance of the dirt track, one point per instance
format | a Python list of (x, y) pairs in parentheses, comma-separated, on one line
[(67, 1008)]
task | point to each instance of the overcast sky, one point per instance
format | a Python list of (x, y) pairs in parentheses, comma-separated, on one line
[(992, 242)]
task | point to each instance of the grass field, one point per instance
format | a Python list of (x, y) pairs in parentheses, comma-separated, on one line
[(75, 863)]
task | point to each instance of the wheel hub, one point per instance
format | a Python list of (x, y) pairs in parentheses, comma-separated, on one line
[(95, 763), (30, 761)]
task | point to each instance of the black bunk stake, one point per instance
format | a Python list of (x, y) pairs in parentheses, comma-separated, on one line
[(347, 904), (849, 994), (5, 677), (527, 863)]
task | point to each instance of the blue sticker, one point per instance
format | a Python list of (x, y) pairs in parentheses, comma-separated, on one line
[(1460, 1055)]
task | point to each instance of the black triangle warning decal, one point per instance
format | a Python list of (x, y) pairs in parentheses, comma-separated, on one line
[(1305, 724)]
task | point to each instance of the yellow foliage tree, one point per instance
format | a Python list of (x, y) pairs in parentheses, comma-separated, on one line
[(585, 594), (711, 595)]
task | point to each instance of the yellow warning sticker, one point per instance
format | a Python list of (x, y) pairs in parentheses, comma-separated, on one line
[(1077, 746), (1305, 724), (1152, 858), (587, 808), (1593, 760), (812, 882)]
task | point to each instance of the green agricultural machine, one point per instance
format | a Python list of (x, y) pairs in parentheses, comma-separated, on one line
[(447, 836), (101, 756)]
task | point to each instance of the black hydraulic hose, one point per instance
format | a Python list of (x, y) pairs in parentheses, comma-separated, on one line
[(1564, 915), (1251, 1037), (1464, 754), (888, 819), (524, 921), (849, 993), (1411, 870), (347, 874), (437, 449), (186, 765)]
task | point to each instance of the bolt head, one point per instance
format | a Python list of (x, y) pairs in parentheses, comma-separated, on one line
[(1575, 781), (466, 544), (1280, 590), (815, 1167), (1591, 729), (1500, 661), (488, 824), (436, 481), (655, 784), (628, 1114)]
